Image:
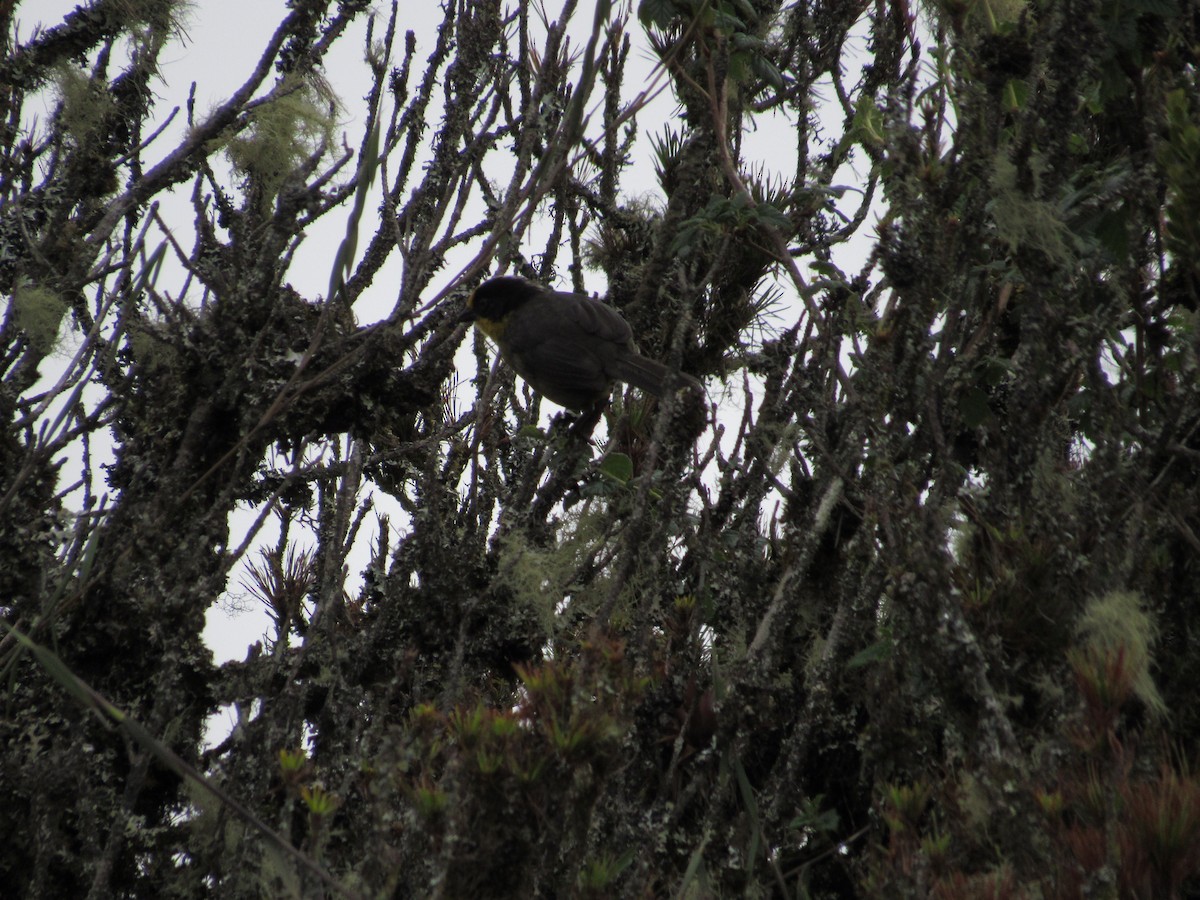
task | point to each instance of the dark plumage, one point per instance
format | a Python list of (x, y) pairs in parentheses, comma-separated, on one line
[(569, 347)]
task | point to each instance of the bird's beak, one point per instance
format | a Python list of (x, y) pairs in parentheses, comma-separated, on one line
[(468, 314)]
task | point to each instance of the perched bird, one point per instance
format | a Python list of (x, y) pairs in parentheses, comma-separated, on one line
[(569, 347)]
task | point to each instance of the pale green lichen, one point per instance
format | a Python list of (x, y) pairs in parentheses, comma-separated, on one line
[(39, 313), (283, 131)]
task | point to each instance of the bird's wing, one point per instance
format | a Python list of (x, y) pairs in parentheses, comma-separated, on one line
[(554, 360), (597, 318)]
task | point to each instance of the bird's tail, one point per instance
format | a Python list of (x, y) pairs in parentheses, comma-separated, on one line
[(653, 377)]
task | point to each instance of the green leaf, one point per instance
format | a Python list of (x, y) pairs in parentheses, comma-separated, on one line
[(725, 21), (657, 13), (827, 269), (1016, 93), (771, 216), (618, 467), (743, 41), (877, 652), (751, 806), (868, 124), (765, 69), (813, 818)]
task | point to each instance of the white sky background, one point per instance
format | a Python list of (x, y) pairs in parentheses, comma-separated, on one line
[(223, 41)]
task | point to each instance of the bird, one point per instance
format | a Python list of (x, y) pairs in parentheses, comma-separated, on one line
[(570, 348)]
